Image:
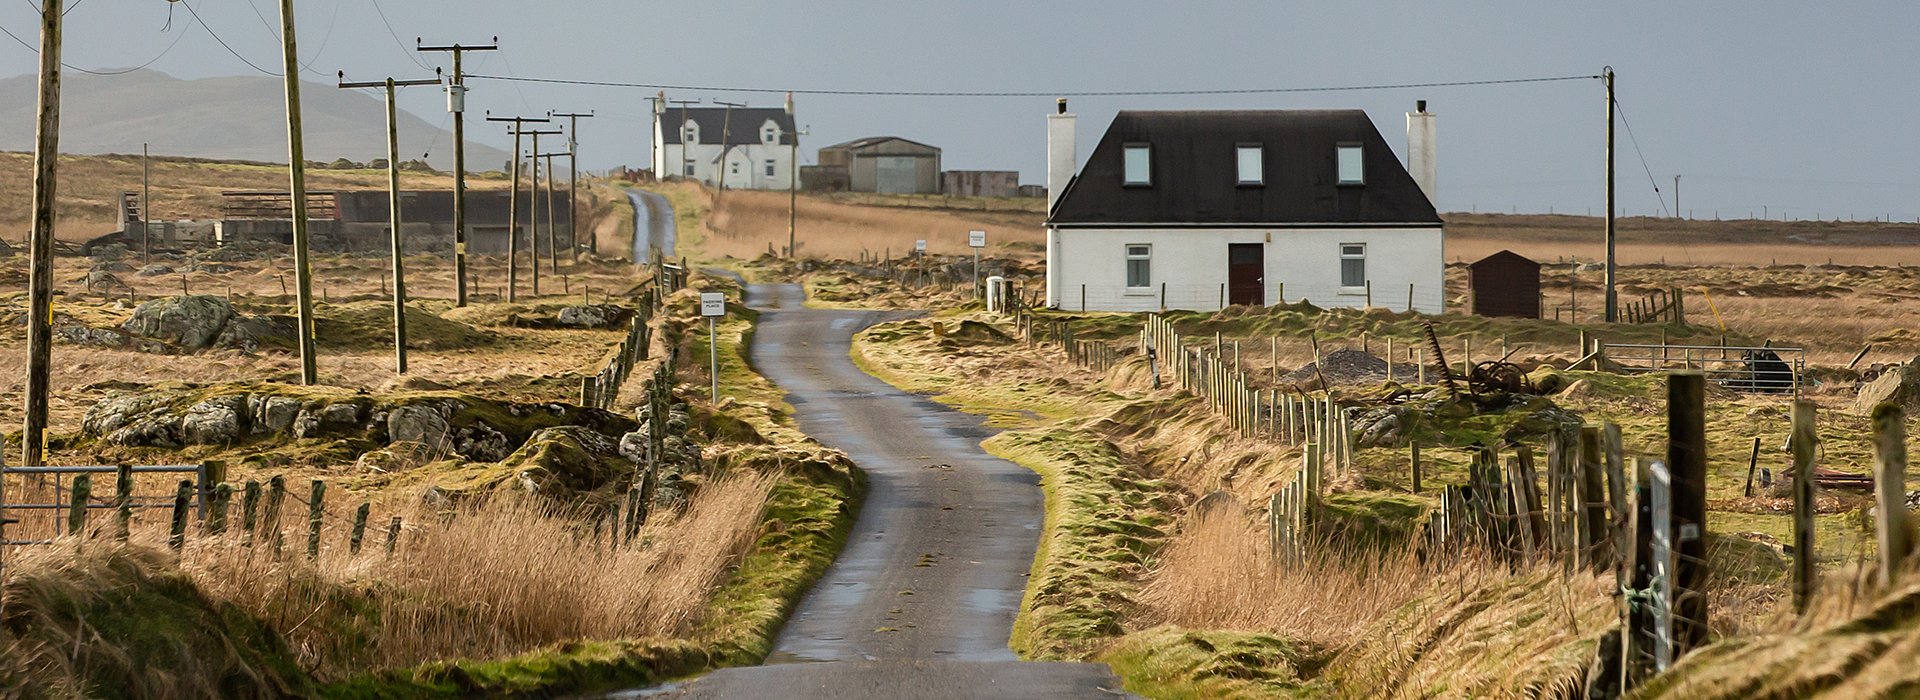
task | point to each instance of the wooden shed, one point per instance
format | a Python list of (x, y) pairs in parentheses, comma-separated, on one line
[(1505, 284), (886, 164)]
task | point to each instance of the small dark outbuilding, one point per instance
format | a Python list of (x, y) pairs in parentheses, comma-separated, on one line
[(1505, 284)]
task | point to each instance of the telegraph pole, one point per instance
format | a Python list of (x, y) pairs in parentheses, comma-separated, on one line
[(1613, 293), (146, 207), (1676, 198), (393, 211), (726, 129), (553, 239), (297, 179), (677, 167), (793, 182), (513, 206), (46, 158), (533, 196), (573, 184), (457, 104)]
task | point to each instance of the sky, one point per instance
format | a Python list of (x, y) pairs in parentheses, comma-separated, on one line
[(1787, 108)]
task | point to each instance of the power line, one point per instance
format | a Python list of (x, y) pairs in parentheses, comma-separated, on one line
[(1063, 93), (411, 55), (223, 42), (1643, 156), (36, 50)]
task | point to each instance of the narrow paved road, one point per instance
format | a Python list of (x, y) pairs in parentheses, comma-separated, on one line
[(653, 224), (921, 603)]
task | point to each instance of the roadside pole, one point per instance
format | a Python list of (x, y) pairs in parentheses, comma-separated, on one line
[(457, 105), (513, 206), (393, 210), (713, 305), (976, 240), (46, 157), (573, 186), (297, 201), (146, 207)]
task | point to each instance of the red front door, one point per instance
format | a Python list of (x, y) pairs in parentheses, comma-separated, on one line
[(1246, 274)]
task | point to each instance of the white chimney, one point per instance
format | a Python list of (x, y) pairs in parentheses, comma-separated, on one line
[(1421, 146), (1061, 157)]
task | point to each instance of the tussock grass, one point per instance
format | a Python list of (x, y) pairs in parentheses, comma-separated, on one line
[(490, 580)]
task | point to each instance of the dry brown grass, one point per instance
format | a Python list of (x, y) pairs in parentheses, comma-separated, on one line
[(1217, 573), (746, 222), (490, 580)]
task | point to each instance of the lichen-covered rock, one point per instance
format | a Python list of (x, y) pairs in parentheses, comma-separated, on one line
[(191, 322), (1897, 385), (252, 333), (271, 414), (559, 462), (103, 281), (116, 411), (423, 424), (481, 443), (634, 446), (154, 270), (215, 421), (1382, 427), (80, 334), (593, 316)]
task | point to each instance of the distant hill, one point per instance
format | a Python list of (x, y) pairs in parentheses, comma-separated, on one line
[(240, 118)]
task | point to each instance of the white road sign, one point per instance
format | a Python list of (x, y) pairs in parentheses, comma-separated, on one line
[(920, 246), (977, 239), (713, 304)]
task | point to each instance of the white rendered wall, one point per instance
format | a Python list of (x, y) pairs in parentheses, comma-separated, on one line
[(1190, 267)]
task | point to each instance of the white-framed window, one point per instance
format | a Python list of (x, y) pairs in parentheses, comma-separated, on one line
[(1353, 265), (1250, 164), (769, 135), (1139, 265), (770, 168), (734, 167), (1138, 164), (689, 167), (1352, 164), (690, 133)]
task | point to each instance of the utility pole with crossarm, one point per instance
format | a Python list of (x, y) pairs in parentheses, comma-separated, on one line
[(393, 209), (573, 183), (457, 105)]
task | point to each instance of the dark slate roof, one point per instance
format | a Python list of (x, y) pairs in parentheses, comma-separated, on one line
[(871, 141), (1196, 181), (712, 120)]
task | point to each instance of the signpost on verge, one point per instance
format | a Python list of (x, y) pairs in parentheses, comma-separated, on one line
[(976, 240), (713, 305)]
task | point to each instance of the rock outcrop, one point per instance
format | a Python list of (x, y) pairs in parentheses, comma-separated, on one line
[(193, 322), (1897, 385)]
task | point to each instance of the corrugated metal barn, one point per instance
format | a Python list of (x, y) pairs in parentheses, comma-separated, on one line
[(886, 164)]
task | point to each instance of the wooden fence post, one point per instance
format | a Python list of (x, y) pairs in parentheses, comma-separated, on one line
[(182, 500), (77, 507), (316, 510), (276, 497), (1804, 443), (359, 528), (1890, 488), (1594, 537), (1413, 453), (393, 533), (250, 511), (123, 502), (217, 512), (1687, 461)]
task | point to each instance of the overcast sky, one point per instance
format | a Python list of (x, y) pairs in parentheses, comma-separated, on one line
[(1798, 107)]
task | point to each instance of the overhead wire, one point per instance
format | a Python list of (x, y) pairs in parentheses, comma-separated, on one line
[(163, 53), (412, 55), (1060, 93), (1643, 157), (223, 42)]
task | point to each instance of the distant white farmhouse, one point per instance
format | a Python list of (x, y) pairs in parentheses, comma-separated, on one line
[(1201, 209), (758, 153)]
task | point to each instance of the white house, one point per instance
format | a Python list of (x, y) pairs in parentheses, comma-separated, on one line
[(1202, 209), (758, 152)]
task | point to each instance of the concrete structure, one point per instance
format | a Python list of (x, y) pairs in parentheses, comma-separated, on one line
[(1200, 210), (1505, 284), (758, 153), (352, 222), (886, 164), (1422, 148), (980, 183)]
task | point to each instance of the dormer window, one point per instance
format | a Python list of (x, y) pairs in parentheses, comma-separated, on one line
[(1352, 168), (690, 133), (1138, 163), (770, 134), (1250, 164)]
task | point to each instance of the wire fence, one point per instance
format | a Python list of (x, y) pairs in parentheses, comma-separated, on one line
[(1168, 296)]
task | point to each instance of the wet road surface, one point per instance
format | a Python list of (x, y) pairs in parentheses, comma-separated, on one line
[(921, 602)]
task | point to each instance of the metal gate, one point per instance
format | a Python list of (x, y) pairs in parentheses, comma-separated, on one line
[(1760, 370)]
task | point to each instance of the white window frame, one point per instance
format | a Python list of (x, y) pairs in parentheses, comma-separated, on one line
[(690, 167), (1143, 257), (1127, 178), (1259, 157), (772, 168), (733, 167), (690, 133), (1341, 175), (1346, 254)]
